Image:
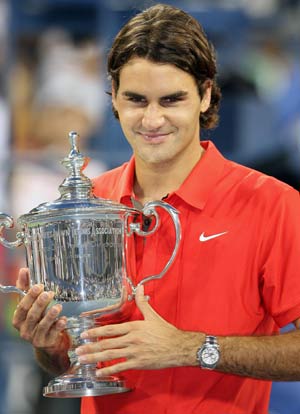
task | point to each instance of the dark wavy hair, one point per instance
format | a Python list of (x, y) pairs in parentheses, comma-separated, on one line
[(166, 34)]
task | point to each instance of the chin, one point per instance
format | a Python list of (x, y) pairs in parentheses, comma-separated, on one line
[(156, 160)]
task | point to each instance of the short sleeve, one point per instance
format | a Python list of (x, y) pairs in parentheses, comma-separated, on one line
[(280, 276)]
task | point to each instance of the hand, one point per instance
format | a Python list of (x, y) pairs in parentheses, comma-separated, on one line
[(36, 324), (151, 343)]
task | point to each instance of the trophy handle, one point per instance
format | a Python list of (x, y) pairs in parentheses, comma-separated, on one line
[(12, 289), (150, 210), (7, 221)]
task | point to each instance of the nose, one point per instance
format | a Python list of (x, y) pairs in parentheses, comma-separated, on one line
[(153, 117)]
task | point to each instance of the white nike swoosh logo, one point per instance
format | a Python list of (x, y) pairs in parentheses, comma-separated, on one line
[(204, 238)]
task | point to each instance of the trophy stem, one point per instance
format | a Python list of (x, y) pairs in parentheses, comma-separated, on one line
[(80, 380)]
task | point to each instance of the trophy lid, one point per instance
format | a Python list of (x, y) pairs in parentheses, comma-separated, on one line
[(76, 192)]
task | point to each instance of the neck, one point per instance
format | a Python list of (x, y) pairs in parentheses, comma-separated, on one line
[(155, 181)]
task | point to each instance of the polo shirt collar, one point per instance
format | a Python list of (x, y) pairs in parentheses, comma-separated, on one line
[(196, 188), (203, 178), (124, 188)]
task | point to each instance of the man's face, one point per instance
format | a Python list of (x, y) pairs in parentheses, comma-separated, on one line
[(159, 109)]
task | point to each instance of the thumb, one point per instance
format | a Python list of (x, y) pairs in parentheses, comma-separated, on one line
[(143, 305), (23, 281)]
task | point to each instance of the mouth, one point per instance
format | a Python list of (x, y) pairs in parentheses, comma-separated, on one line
[(154, 138)]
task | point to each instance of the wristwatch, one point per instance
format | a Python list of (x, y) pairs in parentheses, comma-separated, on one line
[(208, 355)]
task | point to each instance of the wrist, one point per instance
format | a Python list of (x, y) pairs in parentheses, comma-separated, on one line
[(190, 344)]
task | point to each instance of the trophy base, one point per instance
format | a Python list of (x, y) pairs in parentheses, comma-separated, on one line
[(64, 387)]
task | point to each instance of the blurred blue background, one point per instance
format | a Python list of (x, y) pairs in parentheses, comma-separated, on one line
[(53, 80)]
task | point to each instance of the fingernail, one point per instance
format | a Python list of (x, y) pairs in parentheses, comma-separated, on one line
[(36, 289), (79, 351), (61, 324), (82, 359), (44, 296), (84, 335), (54, 311)]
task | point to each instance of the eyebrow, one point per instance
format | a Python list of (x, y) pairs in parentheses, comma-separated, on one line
[(178, 94)]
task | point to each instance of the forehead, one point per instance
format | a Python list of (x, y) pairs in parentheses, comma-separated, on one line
[(143, 74)]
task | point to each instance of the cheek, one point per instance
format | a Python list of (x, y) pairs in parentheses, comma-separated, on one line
[(195, 117), (129, 117), (187, 120)]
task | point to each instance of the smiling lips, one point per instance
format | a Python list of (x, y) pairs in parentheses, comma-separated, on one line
[(155, 138)]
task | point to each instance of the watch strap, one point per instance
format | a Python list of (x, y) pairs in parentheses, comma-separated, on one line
[(211, 340)]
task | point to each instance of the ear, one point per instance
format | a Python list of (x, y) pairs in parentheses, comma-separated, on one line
[(114, 100), (113, 93), (205, 101)]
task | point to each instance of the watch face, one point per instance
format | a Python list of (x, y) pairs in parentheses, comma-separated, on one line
[(210, 355)]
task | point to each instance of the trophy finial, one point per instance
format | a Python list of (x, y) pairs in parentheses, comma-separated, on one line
[(73, 137), (76, 185)]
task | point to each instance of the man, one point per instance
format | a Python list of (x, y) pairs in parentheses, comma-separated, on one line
[(207, 341)]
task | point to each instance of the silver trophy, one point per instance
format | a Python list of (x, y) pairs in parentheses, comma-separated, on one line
[(80, 247)]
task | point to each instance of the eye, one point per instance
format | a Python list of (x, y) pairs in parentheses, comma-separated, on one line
[(137, 99), (171, 100)]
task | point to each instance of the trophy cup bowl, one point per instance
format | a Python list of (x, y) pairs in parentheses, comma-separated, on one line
[(78, 247)]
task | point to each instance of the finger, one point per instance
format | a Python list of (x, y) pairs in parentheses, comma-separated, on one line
[(31, 310), (42, 328), (25, 304), (23, 281), (104, 356), (108, 330), (102, 345), (48, 330), (47, 322), (143, 305), (37, 312), (115, 369)]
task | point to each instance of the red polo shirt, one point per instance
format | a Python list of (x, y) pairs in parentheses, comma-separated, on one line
[(242, 281)]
